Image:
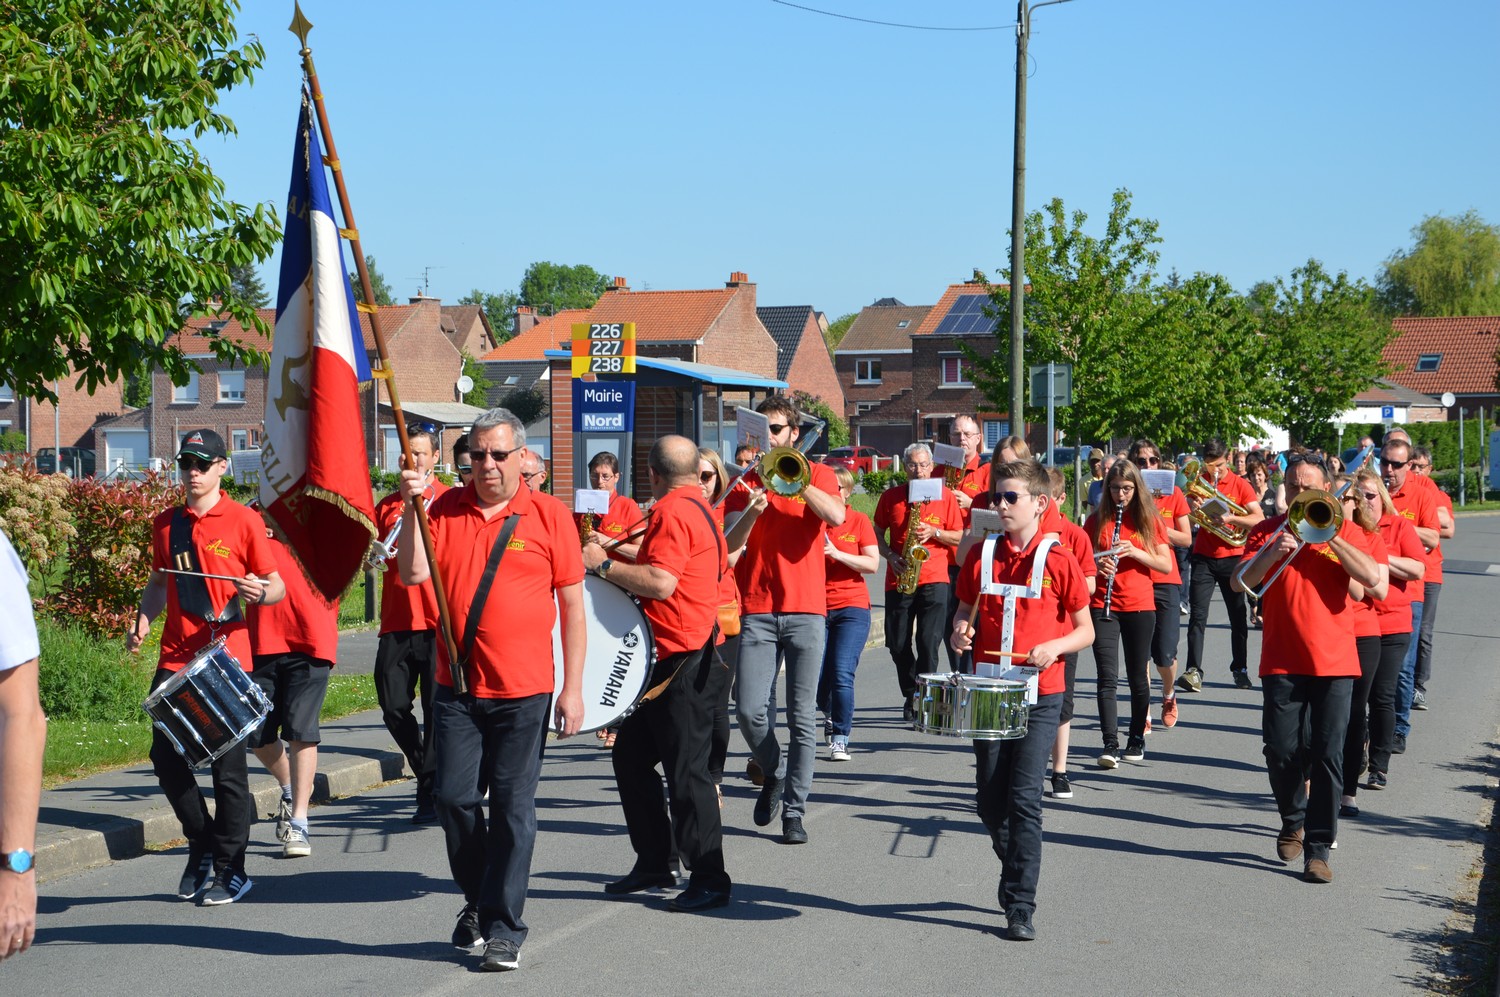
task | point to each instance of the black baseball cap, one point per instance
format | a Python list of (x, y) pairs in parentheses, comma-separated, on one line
[(203, 443)]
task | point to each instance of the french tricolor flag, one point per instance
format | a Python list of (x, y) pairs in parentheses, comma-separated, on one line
[(315, 477)]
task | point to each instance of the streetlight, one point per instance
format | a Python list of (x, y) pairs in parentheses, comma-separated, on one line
[(1018, 224)]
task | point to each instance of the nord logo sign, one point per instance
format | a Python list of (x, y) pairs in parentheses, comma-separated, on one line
[(603, 407)]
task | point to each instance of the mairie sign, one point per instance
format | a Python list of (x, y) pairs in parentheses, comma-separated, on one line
[(603, 406), (603, 348)]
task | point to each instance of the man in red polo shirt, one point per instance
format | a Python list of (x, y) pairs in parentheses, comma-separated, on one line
[(1213, 563), (681, 562), (1053, 624), (501, 722), (1308, 664), (407, 652), (213, 534), (926, 611), (973, 482), (624, 516), (1432, 582), (782, 575), (1415, 500)]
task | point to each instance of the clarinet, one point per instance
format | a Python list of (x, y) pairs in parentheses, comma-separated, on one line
[(1109, 588)]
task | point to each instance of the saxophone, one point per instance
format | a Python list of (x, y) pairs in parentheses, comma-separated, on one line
[(912, 553), (586, 528)]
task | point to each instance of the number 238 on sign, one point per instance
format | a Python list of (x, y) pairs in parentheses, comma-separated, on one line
[(603, 348)]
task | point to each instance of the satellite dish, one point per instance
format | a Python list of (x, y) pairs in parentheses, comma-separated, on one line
[(465, 384), (1449, 399)]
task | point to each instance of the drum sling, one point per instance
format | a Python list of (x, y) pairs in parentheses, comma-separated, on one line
[(192, 591)]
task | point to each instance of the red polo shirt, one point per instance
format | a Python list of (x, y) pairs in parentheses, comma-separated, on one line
[(230, 540), (1135, 586), (1046, 617), (1417, 502), (1171, 508), (783, 569), (1366, 619), (973, 481), (301, 622), (624, 517), (891, 513), (1075, 540), (683, 542), (1309, 627), (1394, 611), (846, 587), (402, 606), (1435, 556), (1237, 488), (512, 657)]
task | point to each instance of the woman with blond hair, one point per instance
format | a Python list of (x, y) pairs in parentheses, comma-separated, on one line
[(1366, 641)]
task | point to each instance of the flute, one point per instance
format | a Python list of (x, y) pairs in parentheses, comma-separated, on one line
[(1109, 588)]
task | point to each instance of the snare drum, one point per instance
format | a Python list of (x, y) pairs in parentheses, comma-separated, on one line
[(621, 653), (209, 706), (951, 704)]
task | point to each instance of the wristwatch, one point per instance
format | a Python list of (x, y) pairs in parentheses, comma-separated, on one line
[(603, 568), (16, 861)]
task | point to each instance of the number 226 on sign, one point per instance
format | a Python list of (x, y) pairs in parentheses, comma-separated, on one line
[(603, 348)]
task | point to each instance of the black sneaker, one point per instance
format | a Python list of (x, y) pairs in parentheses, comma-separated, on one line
[(466, 934), (198, 874), (769, 802), (501, 956), (1419, 700), (1347, 810), (792, 832), (1135, 749), (1018, 925), (908, 712), (1061, 788), (1190, 680), (1398, 745), (1376, 780), (426, 812), (1242, 680), (230, 885)]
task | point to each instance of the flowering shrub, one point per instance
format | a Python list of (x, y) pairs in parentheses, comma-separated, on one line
[(111, 553), (33, 511)]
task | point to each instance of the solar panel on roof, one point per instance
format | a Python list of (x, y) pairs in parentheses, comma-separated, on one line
[(966, 315)]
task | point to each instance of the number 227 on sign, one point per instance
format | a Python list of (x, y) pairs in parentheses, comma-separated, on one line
[(603, 348)]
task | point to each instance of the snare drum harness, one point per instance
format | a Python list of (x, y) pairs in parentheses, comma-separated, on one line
[(1009, 593), (192, 591), (661, 686)]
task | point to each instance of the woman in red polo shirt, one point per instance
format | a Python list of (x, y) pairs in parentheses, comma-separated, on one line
[(1366, 642), (1140, 553), (851, 553)]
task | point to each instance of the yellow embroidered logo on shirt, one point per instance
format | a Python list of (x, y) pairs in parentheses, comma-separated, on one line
[(218, 549), (516, 545)]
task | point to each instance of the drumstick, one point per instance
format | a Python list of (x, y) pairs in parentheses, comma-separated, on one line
[(1013, 655), (204, 574), (627, 537)]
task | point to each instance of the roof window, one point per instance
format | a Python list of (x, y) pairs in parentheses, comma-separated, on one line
[(1428, 362)]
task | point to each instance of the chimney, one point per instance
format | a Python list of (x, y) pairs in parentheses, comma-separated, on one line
[(738, 278), (419, 297), (620, 285), (525, 318)]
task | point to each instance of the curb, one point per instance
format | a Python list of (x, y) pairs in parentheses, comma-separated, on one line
[(71, 850)]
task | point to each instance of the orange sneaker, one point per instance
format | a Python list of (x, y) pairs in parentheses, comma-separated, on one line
[(1169, 712)]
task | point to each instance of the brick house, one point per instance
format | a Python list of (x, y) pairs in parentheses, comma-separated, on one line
[(1457, 354), (228, 399), (467, 328), (873, 363), (802, 358), (71, 423)]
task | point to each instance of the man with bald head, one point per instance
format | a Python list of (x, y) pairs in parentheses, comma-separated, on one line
[(676, 576)]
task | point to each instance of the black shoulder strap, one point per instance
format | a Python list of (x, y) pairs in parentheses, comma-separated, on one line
[(714, 529), (192, 591), (482, 592)]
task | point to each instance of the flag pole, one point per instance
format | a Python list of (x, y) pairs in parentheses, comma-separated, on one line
[(300, 26)]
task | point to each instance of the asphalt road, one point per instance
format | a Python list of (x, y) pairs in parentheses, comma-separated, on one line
[(1159, 877)]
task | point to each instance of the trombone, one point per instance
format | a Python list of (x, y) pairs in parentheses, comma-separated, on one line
[(1235, 536), (1313, 517)]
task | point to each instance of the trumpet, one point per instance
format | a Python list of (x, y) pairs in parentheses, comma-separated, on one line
[(785, 471), (1235, 536), (1313, 517), (382, 551)]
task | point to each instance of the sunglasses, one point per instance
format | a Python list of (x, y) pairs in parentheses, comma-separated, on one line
[(1394, 465), (498, 456), (191, 463), (1151, 460), (464, 468), (1010, 498), (776, 428), (1304, 458), (1371, 496), (708, 476)]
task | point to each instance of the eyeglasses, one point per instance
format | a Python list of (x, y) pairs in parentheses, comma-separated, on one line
[(498, 456), (707, 476), (192, 463), (528, 475), (1420, 467), (776, 428), (914, 466), (1394, 465), (1294, 458), (464, 468), (1150, 460), (1010, 498)]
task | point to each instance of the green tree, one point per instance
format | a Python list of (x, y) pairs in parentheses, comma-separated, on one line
[(557, 286), (836, 432), (110, 219), (499, 309), (834, 334), (527, 404), (378, 286), (1323, 337), (1453, 269), (245, 282), (476, 395)]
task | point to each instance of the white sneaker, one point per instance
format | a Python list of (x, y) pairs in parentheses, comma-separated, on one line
[(296, 846), (840, 748)]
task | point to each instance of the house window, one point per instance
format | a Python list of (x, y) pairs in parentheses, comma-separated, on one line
[(512, 379), (231, 386), (1428, 362), (7, 393), (239, 439), (867, 372), (995, 430), (860, 408), (903, 323), (186, 392), (955, 371)]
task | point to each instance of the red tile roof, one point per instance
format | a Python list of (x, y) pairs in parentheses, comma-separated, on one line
[(661, 316), (194, 338), (940, 310), (1467, 345)]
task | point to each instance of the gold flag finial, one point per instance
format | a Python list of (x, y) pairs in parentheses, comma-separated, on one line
[(300, 25)]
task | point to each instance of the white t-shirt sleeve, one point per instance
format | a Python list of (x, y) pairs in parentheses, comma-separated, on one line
[(18, 642)]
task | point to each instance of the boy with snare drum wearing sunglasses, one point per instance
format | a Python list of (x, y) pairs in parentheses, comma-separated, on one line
[(1054, 623)]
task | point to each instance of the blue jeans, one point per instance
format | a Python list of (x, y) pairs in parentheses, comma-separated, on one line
[(1008, 779), (848, 629), (765, 639), (1407, 683), (490, 860)]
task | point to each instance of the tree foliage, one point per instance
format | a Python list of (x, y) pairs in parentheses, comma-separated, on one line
[(378, 285), (555, 287), (1453, 269), (112, 227), (836, 432), (477, 395), (245, 281), (499, 309), (834, 334), (1323, 337), (527, 404)]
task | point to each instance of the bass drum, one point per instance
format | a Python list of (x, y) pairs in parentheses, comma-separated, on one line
[(621, 653)]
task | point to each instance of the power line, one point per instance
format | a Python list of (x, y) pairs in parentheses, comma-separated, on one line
[(892, 24)]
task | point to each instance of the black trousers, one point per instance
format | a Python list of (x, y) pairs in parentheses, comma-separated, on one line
[(925, 611), (1209, 572), (1135, 630), (1383, 699), (729, 653), (227, 832), (675, 731), (1359, 704), (1008, 795), (1303, 722), (1168, 626), (404, 664), (953, 656)]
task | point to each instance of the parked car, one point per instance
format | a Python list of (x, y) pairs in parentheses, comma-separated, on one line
[(857, 459), (77, 462), (1063, 456)]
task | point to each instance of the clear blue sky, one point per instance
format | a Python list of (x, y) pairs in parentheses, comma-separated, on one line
[(673, 141)]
